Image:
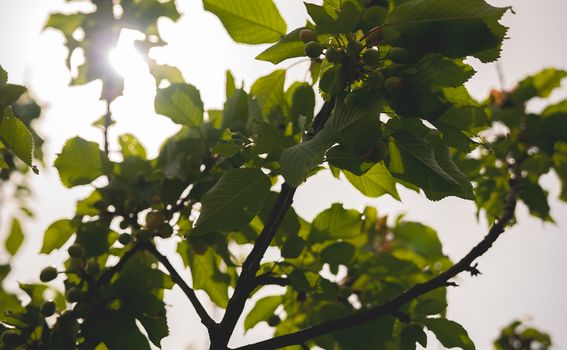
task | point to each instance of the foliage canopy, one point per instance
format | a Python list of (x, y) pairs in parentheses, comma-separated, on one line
[(393, 111)]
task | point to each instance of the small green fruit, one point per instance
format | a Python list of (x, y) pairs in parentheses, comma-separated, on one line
[(333, 55), (76, 251), (274, 320), (374, 16), (10, 338), (124, 239), (307, 35), (154, 220), (124, 224), (92, 267), (48, 308), (375, 80), (398, 55), (74, 294), (313, 49), (48, 274), (354, 48), (371, 58), (393, 84)]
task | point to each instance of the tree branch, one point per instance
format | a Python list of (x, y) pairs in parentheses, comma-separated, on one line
[(107, 275), (268, 279), (189, 292), (391, 307), (247, 280)]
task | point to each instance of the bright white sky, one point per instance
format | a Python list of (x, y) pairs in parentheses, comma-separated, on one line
[(521, 274)]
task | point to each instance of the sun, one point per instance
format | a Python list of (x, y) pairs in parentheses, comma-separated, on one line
[(125, 59)]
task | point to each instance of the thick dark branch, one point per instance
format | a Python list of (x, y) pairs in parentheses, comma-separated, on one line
[(268, 279), (392, 306), (203, 315), (247, 280)]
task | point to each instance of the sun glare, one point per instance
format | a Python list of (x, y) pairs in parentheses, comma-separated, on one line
[(125, 59)]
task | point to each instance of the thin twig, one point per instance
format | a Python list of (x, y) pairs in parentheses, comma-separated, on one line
[(189, 292)]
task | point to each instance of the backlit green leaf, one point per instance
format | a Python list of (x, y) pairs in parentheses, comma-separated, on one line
[(472, 28), (375, 182), (181, 103), (449, 333), (57, 234), (538, 85), (262, 310), (335, 223), (250, 21), (80, 162), (268, 91), (15, 238), (236, 198), (16, 136)]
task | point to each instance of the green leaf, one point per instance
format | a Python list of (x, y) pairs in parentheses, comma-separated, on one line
[(164, 72), (250, 21), (131, 146), (16, 136), (268, 91), (57, 234), (303, 102), (297, 161), (235, 114), (116, 329), (288, 46), (325, 23), (181, 103), (410, 335), (340, 253), (335, 223), (9, 94), (67, 24), (207, 276), (419, 238), (538, 85), (536, 199), (230, 88), (96, 237), (262, 310), (449, 333), (236, 198), (375, 182), (3, 77), (293, 247), (140, 286), (560, 166), (472, 28), (427, 165), (15, 238), (80, 162)]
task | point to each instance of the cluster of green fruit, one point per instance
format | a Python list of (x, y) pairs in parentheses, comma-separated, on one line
[(357, 60)]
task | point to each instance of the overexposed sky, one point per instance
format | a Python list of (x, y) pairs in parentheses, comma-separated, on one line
[(521, 274)]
